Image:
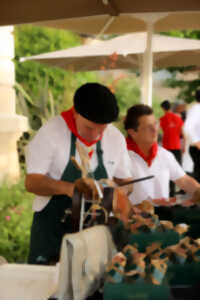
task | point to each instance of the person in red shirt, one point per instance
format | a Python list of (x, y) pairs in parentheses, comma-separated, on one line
[(171, 125)]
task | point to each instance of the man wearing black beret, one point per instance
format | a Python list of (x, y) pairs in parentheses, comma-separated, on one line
[(51, 174)]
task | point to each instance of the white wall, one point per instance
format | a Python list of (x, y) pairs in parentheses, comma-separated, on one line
[(11, 125)]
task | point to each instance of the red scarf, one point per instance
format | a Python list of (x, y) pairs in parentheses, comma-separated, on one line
[(132, 146), (68, 117)]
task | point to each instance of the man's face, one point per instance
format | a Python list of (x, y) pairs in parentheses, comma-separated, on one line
[(147, 131), (87, 129)]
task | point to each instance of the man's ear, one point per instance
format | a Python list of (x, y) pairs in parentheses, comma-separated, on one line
[(131, 132)]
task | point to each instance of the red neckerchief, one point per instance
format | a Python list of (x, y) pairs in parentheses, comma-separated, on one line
[(132, 146), (68, 117)]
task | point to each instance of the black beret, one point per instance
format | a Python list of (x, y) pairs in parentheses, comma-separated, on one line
[(96, 103)]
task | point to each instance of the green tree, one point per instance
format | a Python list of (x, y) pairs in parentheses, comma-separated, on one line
[(43, 91), (127, 91), (32, 40), (187, 88)]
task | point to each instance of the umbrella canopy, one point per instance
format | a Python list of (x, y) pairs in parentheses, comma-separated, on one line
[(109, 16), (127, 22), (23, 11), (124, 52), (121, 21)]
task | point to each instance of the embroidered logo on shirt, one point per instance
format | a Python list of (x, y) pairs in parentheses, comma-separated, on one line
[(41, 259)]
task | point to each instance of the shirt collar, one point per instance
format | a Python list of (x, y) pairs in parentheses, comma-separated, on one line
[(69, 119), (132, 146)]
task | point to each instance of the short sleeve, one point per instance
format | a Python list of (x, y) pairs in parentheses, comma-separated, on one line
[(191, 126), (124, 163), (39, 152), (175, 170)]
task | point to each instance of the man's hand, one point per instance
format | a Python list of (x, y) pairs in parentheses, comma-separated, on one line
[(87, 186), (197, 145), (187, 203), (164, 202), (196, 197)]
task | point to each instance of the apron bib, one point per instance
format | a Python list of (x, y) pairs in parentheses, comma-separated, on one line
[(50, 224)]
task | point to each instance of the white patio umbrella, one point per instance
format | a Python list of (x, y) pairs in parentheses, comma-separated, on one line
[(108, 16), (123, 21), (23, 11), (124, 52)]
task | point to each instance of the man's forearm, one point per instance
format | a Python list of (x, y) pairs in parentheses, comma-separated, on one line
[(43, 185), (197, 145), (188, 184)]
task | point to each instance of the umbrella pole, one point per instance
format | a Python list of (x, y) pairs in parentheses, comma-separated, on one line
[(147, 68)]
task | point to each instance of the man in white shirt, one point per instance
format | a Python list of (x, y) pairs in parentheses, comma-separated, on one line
[(51, 175), (192, 132), (148, 158)]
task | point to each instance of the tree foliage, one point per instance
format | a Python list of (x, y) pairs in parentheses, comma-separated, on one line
[(187, 88), (15, 222), (32, 40), (127, 91), (43, 83)]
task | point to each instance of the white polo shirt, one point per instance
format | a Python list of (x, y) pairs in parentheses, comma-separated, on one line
[(164, 168), (192, 124), (48, 153)]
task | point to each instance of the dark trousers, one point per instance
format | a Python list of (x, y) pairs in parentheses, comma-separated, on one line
[(195, 155), (177, 155), (96, 296)]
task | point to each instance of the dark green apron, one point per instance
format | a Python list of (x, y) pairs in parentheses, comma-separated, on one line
[(50, 224)]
